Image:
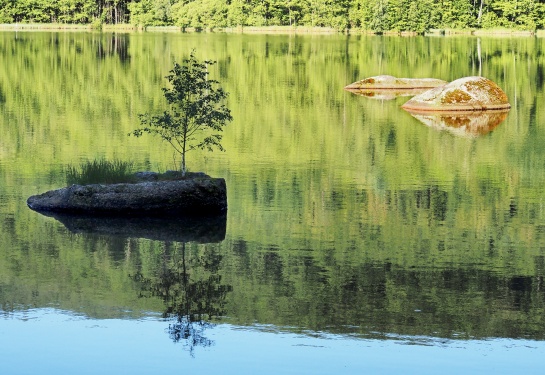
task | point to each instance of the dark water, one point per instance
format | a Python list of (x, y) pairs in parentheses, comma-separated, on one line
[(358, 237)]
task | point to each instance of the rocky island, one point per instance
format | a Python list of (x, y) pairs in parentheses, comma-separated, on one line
[(469, 106), (196, 194), (464, 94)]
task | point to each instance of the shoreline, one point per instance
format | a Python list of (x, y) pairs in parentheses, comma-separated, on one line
[(279, 30)]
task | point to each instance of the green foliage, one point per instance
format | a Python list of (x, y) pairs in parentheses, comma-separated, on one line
[(456, 14), (64, 11), (373, 15), (208, 13), (100, 172), (520, 14), (195, 112), (150, 13), (237, 13)]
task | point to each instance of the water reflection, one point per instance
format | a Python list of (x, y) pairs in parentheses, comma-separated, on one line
[(192, 291), (114, 45), (366, 227), (184, 229), (466, 124), (189, 285)]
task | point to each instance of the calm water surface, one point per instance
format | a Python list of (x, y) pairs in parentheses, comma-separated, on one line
[(358, 237)]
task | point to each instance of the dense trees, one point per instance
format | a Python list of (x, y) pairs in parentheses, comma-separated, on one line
[(64, 11), (375, 15)]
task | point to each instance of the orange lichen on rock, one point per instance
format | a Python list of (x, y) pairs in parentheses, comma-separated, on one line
[(456, 97), (464, 94), (493, 91)]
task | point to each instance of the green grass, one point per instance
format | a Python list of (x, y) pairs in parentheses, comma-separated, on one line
[(100, 172)]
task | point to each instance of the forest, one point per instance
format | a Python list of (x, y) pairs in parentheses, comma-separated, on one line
[(376, 16)]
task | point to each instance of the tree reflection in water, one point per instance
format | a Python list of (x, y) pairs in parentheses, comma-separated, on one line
[(189, 286), (191, 289)]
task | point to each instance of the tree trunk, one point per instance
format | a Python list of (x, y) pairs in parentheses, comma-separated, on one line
[(183, 152)]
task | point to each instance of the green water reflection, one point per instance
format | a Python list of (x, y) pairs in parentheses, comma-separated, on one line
[(346, 214)]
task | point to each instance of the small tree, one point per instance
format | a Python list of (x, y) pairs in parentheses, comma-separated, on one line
[(195, 111)]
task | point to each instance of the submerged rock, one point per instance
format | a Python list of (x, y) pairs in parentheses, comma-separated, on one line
[(464, 94), (386, 82), (187, 197)]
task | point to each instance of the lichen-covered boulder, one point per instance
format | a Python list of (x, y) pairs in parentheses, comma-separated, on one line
[(386, 82), (464, 94), (189, 197)]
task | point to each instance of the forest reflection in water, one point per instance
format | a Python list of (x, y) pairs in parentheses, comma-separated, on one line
[(190, 287), (347, 218), (367, 300)]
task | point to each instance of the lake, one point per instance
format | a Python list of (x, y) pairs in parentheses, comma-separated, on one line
[(358, 238)]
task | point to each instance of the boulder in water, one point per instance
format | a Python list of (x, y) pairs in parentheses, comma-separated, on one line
[(186, 197), (464, 94)]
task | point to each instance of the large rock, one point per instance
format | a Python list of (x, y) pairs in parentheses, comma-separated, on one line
[(187, 197), (464, 94)]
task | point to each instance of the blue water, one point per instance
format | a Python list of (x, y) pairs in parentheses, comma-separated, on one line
[(49, 341)]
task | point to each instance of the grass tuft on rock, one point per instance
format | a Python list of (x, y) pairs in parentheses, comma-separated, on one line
[(100, 171)]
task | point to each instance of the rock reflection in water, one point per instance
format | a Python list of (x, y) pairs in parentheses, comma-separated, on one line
[(182, 229), (466, 123)]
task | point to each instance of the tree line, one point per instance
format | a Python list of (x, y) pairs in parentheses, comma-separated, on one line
[(373, 15)]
